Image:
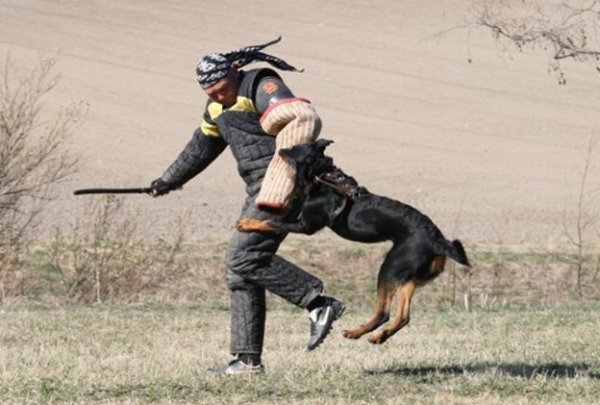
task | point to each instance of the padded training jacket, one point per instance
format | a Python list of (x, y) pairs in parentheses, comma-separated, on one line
[(237, 126)]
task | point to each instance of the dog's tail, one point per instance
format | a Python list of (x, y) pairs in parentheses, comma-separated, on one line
[(456, 252)]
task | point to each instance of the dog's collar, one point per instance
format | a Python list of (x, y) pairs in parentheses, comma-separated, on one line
[(341, 182)]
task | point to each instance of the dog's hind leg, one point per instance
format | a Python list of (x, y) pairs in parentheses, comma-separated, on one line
[(404, 293), (387, 284), (385, 295)]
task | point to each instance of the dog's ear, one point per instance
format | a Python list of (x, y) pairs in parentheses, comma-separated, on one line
[(321, 144), (289, 156)]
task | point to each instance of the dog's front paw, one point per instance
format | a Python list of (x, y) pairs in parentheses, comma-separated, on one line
[(254, 225), (245, 225)]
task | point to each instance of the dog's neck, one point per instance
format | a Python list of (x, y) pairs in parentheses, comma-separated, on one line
[(340, 181)]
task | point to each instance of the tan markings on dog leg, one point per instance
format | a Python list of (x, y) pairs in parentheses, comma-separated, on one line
[(254, 225), (437, 267), (404, 294), (385, 295)]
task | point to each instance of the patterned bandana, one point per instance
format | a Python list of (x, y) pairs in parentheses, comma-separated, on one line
[(215, 66)]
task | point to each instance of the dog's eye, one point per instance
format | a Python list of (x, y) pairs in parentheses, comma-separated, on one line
[(340, 177)]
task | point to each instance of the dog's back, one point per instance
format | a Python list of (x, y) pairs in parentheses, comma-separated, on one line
[(371, 218)]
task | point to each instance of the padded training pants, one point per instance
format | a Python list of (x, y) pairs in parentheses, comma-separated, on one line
[(253, 267)]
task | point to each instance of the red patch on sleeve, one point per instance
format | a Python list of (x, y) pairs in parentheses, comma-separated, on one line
[(270, 87)]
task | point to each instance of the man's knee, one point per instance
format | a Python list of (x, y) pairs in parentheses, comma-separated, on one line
[(240, 264), (235, 281), (233, 266)]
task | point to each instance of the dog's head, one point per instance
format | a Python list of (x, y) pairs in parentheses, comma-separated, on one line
[(308, 160)]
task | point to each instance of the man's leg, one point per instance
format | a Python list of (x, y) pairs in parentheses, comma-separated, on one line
[(248, 316), (252, 267), (251, 259)]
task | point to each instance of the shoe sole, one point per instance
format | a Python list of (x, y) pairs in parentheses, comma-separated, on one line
[(224, 373)]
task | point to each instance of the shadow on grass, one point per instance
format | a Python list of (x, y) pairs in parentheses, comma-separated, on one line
[(529, 371)]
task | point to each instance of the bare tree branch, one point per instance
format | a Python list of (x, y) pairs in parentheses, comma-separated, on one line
[(568, 30), (33, 156)]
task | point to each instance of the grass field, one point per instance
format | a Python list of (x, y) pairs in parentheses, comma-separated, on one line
[(158, 354), (123, 322)]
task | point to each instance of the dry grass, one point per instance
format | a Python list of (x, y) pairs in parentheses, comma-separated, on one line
[(158, 354), (529, 337)]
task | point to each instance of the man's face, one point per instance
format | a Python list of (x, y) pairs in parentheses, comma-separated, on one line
[(224, 91)]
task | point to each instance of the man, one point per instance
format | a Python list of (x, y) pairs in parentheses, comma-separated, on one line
[(255, 114)]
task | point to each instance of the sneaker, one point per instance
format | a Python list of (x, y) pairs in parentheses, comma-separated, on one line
[(236, 367), (321, 321)]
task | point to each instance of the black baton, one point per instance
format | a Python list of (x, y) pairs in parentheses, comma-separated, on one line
[(137, 190)]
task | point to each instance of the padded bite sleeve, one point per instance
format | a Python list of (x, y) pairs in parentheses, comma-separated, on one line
[(293, 122)]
